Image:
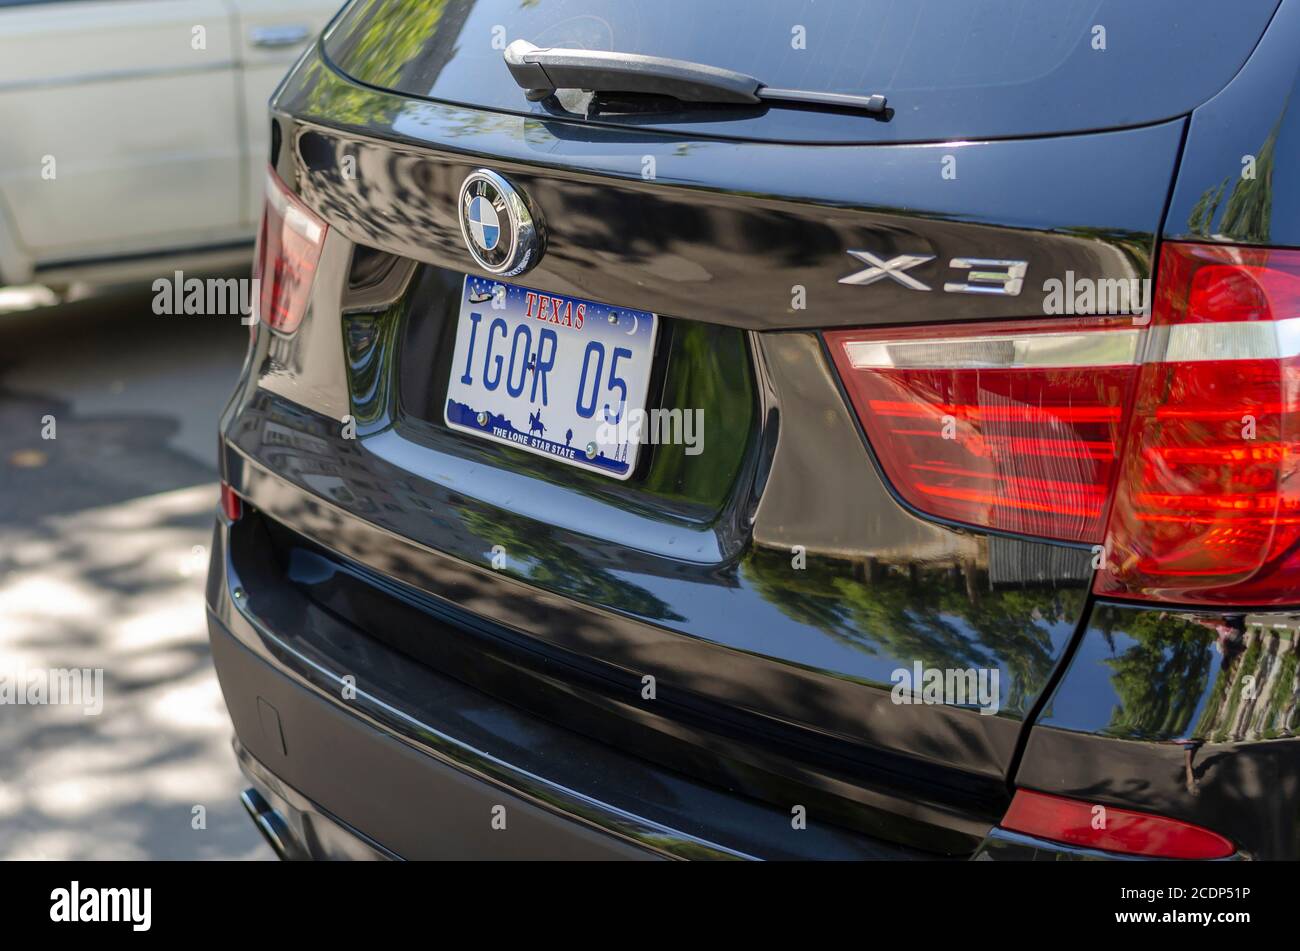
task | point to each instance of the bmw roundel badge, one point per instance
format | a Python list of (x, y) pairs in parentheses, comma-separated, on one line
[(498, 226)]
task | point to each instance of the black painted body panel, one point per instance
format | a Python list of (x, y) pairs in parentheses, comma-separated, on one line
[(951, 69), (771, 587), (1239, 181), (1192, 715), (727, 231)]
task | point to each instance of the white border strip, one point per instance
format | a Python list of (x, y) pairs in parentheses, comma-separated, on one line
[(1179, 343), (1093, 348), (1239, 340)]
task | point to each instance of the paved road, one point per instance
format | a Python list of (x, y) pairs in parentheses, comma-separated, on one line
[(103, 545)]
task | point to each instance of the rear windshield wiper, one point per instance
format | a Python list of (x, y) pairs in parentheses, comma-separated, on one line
[(541, 71)]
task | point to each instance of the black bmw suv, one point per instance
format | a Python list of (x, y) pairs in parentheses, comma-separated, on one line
[(778, 429)]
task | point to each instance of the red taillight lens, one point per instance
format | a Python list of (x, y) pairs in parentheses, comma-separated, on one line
[(1014, 426), (1113, 830), (1018, 427), (1207, 507), (232, 506), (288, 249)]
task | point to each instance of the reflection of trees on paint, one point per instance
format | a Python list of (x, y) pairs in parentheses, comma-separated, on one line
[(536, 555), (1218, 720), (1134, 246), (1282, 715), (1256, 695), (1163, 676), (1201, 219), (944, 616), (708, 369), (1248, 210), (319, 92), (366, 338), (1168, 650), (380, 40)]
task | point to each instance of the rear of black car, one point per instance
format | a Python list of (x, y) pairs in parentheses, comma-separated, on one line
[(962, 519)]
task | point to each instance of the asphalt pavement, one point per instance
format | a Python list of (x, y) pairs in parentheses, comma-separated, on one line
[(104, 535)]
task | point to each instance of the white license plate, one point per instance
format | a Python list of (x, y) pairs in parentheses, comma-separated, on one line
[(550, 374)]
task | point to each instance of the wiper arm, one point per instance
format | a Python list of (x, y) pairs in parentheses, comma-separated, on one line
[(541, 71)]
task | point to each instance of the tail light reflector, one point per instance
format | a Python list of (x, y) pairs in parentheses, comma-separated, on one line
[(1091, 826), (1014, 426), (1207, 507), (232, 506), (288, 249)]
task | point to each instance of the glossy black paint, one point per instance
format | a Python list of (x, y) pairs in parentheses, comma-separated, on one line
[(726, 231), (1192, 715), (696, 364), (773, 678), (793, 665), (952, 70), (281, 638), (809, 651), (1238, 181), (334, 612), (704, 596)]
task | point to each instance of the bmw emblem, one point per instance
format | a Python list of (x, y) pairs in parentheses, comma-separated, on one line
[(498, 226)]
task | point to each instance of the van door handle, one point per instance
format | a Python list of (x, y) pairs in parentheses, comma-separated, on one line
[(274, 37)]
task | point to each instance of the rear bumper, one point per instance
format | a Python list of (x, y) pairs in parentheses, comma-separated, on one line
[(409, 757), (428, 804), (296, 828), (356, 751), (329, 774)]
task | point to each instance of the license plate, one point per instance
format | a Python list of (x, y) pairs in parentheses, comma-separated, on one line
[(551, 374)]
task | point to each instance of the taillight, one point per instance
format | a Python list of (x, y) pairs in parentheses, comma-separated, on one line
[(1013, 426), (1207, 507), (1093, 826), (232, 506), (288, 249), (1018, 427)]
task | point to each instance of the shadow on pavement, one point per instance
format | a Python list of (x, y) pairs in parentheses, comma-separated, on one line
[(104, 533)]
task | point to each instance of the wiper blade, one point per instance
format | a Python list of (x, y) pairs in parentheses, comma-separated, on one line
[(541, 71)]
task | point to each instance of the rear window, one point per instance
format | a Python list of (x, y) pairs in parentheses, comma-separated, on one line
[(950, 68)]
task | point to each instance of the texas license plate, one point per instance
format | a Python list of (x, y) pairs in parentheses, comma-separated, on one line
[(553, 375)]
